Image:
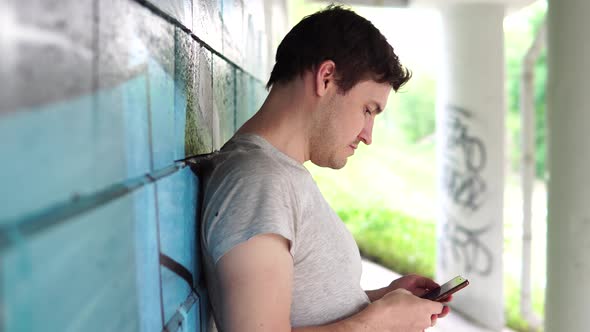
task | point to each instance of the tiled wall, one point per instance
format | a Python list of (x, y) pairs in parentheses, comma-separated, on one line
[(99, 100)]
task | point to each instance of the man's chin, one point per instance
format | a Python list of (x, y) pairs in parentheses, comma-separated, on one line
[(332, 163), (338, 164)]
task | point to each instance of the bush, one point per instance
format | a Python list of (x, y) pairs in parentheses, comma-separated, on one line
[(395, 240)]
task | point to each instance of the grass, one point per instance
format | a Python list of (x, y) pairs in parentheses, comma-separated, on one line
[(386, 195)]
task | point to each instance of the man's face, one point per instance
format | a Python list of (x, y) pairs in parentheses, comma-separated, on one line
[(346, 120)]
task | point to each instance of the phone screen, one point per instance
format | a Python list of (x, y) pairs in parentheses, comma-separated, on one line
[(440, 293)]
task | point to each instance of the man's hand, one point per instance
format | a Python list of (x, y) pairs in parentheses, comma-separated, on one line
[(417, 285), (400, 310)]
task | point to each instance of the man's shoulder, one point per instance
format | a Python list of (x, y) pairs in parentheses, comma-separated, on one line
[(245, 162), (253, 160), (246, 168)]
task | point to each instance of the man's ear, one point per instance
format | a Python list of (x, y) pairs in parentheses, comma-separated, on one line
[(325, 77)]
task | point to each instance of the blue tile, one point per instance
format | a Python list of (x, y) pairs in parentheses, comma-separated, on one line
[(81, 275), (193, 320), (147, 258), (47, 156), (121, 129), (174, 292), (177, 207)]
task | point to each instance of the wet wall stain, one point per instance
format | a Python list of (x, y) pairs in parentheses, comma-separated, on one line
[(224, 96), (193, 71)]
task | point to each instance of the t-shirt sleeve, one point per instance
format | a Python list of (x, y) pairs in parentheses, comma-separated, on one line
[(241, 208)]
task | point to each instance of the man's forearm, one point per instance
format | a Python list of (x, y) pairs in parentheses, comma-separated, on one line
[(351, 324)]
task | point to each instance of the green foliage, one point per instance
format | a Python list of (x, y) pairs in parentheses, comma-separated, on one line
[(393, 239), (414, 108), (518, 42), (512, 305)]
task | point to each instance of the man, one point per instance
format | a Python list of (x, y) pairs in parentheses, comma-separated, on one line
[(277, 257)]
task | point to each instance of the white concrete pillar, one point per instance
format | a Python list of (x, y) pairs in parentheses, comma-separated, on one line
[(568, 120), (470, 158)]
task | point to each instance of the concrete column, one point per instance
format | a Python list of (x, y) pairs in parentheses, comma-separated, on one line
[(470, 158), (568, 120)]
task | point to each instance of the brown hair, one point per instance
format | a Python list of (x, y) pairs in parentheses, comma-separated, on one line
[(355, 45)]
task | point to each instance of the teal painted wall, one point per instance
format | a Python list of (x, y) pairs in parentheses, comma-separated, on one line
[(100, 100)]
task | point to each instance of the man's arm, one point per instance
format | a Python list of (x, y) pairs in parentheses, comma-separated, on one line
[(256, 279)]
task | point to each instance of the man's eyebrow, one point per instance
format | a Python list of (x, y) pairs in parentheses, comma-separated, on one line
[(378, 108)]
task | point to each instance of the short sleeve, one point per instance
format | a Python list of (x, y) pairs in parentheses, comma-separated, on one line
[(241, 207)]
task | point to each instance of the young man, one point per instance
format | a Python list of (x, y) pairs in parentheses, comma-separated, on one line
[(277, 257)]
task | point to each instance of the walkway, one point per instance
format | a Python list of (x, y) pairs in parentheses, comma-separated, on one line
[(376, 276)]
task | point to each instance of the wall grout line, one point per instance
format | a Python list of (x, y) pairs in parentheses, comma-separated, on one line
[(176, 321), (58, 213), (162, 14), (157, 211)]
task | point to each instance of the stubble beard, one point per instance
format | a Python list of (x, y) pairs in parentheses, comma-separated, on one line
[(324, 144)]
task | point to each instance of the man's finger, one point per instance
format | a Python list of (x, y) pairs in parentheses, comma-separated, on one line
[(445, 311), (447, 299), (424, 282)]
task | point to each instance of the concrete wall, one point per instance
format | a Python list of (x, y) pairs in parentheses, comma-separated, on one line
[(99, 100)]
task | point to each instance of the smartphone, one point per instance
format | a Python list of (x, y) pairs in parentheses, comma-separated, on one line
[(442, 292)]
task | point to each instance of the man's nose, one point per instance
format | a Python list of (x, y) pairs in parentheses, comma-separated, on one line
[(366, 134)]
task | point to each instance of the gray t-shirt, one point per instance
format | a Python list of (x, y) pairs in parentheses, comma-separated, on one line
[(256, 189)]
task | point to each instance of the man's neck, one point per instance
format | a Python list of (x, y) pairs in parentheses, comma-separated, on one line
[(284, 121)]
